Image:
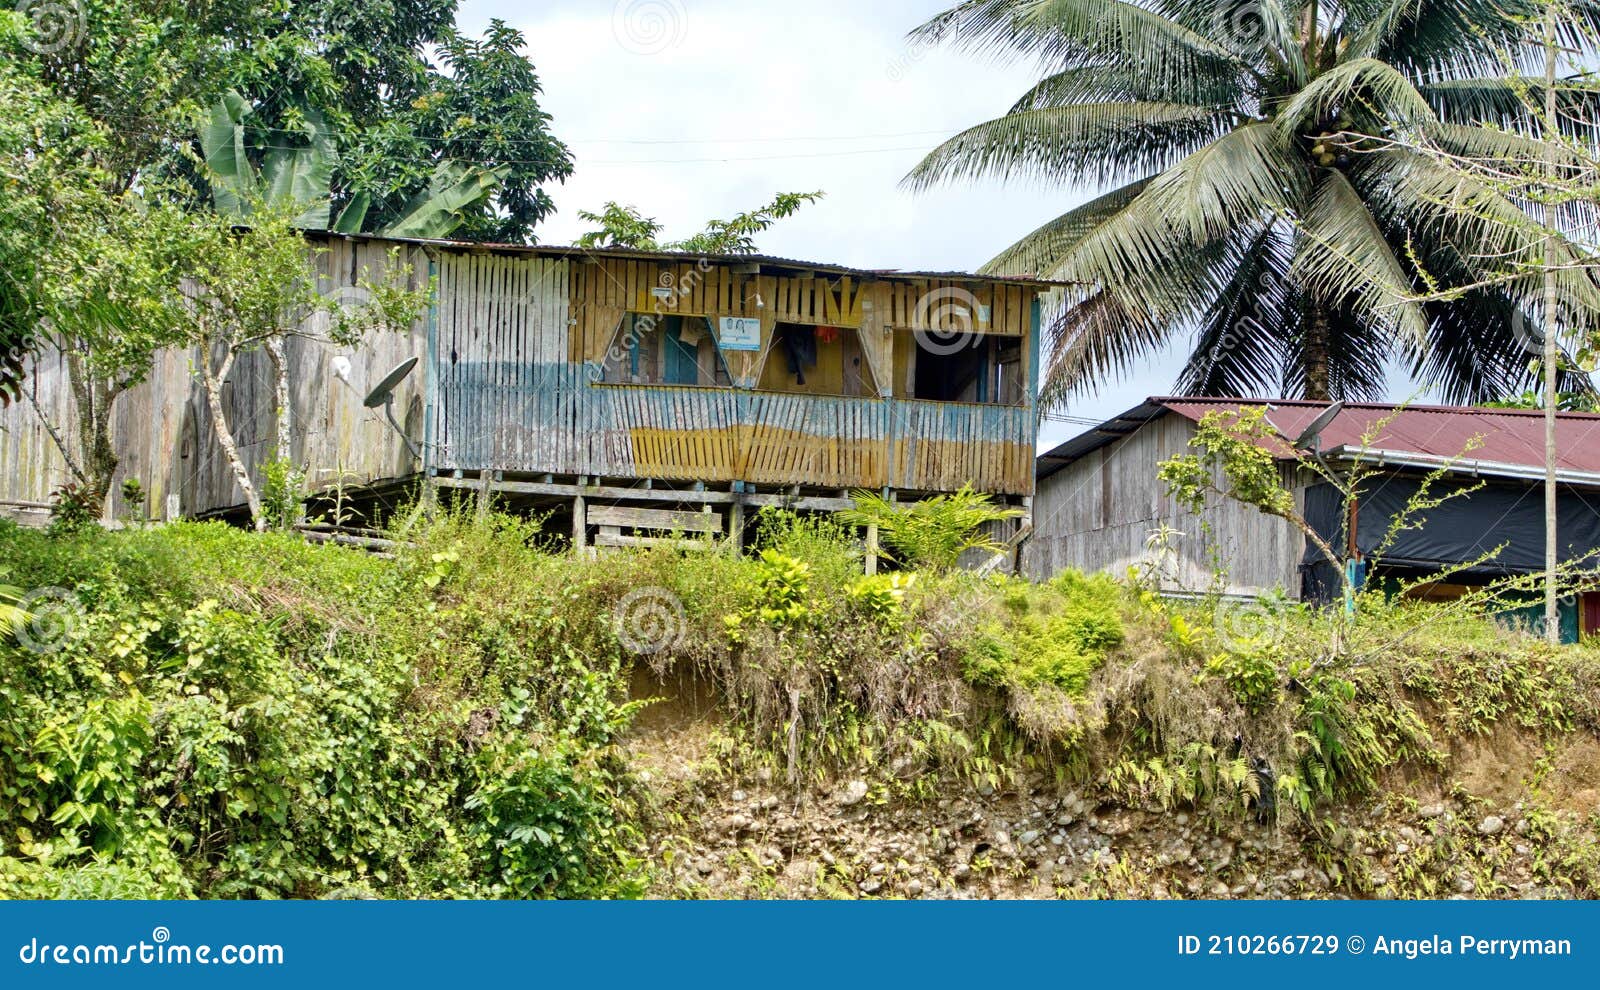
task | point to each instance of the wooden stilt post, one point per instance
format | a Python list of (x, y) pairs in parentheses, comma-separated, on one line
[(580, 525), (872, 549), (483, 494), (736, 527)]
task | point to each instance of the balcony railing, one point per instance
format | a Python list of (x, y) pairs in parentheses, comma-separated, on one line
[(561, 422)]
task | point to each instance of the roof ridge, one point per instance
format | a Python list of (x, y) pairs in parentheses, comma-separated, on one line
[(1167, 400)]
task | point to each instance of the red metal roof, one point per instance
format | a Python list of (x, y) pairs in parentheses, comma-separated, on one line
[(1510, 436)]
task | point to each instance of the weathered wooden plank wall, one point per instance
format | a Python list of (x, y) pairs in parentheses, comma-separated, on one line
[(1097, 514), (163, 428)]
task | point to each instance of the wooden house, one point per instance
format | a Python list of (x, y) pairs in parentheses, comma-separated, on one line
[(1101, 506), (627, 387)]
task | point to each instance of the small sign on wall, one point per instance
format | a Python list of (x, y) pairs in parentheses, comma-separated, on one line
[(738, 333)]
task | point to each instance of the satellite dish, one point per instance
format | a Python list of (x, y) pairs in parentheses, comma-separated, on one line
[(384, 391), (383, 395), (1311, 437)]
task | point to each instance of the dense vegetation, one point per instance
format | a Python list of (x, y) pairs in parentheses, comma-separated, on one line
[(226, 714)]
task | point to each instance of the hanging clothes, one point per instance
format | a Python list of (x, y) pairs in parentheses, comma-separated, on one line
[(799, 350)]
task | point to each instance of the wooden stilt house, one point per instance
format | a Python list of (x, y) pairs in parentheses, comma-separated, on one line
[(627, 386)]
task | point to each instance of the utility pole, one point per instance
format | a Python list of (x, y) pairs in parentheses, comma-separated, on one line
[(1552, 396)]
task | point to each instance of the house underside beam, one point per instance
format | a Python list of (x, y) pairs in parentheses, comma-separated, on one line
[(811, 503)]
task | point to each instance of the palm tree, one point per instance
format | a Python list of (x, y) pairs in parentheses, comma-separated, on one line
[(1239, 202)]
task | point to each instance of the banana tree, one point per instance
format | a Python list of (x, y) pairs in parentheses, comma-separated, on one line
[(296, 180)]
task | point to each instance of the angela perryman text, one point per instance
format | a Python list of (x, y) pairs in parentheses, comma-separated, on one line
[(1380, 945)]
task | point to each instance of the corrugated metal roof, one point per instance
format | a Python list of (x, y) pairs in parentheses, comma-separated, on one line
[(573, 251), (1508, 436)]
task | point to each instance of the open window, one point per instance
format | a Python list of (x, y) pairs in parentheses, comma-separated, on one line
[(665, 350), (983, 368), (816, 360)]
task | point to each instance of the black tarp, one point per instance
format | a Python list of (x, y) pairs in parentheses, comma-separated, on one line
[(1462, 529)]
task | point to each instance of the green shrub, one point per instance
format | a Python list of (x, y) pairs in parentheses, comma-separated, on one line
[(1056, 634)]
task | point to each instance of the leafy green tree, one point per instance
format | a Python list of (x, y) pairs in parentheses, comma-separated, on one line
[(81, 266), (1247, 196), (299, 179), (406, 97), (625, 226), (393, 84)]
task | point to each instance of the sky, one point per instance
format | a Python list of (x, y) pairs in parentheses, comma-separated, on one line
[(695, 109)]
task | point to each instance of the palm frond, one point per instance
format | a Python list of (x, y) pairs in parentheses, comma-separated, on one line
[(1041, 251), (1065, 33), (1494, 235), (1093, 143), (1518, 104), (1120, 83), (1344, 261), (1094, 336), (1364, 82), (1230, 186), (1239, 341)]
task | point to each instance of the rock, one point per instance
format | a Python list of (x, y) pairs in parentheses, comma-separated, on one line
[(871, 886), (1430, 811), (1492, 825), (878, 869), (1465, 885), (703, 867), (852, 793), (1401, 849), (738, 797), (914, 888), (769, 803), (827, 857), (984, 788), (1029, 837)]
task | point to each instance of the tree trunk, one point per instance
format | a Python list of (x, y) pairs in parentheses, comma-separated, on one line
[(96, 395), (283, 440), (212, 381), (1552, 396), (1315, 354)]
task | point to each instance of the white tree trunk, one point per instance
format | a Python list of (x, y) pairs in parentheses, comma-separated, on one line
[(283, 440), (230, 450)]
